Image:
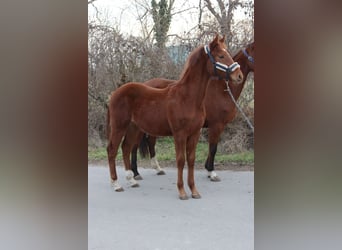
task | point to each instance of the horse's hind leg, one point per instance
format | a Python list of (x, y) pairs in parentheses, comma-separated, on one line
[(134, 165), (134, 152), (112, 150), (190, 157), (154, 162), (127, 146)]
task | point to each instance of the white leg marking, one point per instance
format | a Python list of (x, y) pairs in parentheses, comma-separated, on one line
[(213, 176), (130, 178), (117, 187), (155, 164)]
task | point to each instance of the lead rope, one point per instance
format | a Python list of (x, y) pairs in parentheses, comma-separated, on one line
[(237, 105)]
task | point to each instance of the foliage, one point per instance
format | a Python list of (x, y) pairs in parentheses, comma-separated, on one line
[(161, 13)]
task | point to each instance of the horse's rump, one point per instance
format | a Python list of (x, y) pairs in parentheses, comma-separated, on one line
[(143, 105)]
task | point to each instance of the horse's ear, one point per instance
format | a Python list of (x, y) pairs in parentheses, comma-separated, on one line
[(223, 38), (214, 42)]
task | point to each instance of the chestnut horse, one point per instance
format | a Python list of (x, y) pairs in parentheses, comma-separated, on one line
[(220, 110), (177, 110)]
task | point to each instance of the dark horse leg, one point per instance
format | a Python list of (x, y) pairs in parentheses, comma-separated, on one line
[(209, 164), (134, 165), (138, 140), (127, 146), (214, 136), (146, 145)]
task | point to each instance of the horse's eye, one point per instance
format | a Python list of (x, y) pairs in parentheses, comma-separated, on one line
[(221, 57)]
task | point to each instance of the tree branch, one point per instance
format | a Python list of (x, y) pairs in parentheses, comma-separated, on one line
[(212, 10)]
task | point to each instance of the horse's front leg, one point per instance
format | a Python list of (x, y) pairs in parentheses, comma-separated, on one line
[(180, 142), (190, 157), (209, 164), (214, 133)]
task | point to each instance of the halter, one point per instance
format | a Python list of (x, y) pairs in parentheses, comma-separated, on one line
[(220, 66), (250, 58)]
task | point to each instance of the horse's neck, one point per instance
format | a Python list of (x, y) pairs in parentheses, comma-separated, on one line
[(245, 69), (195, 82)]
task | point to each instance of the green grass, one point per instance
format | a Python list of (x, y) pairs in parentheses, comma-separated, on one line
[(97, 154), (166, 152)]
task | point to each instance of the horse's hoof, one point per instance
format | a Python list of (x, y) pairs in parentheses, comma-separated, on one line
[(119, 189), (161, 172), (138, 177), (183, 197), (196, 196), (215, 178), (135, 185)]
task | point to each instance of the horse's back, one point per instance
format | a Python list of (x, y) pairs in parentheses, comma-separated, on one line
[(159, 83), (136, 90)]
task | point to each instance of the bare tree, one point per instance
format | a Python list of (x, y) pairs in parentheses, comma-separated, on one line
[(224, 14), (115, 59)]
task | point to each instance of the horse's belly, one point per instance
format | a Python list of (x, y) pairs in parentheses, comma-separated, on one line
[(153, 125)]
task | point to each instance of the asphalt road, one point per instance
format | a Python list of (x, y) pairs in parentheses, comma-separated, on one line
[(151, 217)]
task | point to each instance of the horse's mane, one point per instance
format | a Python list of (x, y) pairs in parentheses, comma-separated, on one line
[(238, 55), (192, 60), (194, 57)]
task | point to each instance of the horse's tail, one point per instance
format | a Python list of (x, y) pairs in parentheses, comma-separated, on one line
[(143, 146)]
